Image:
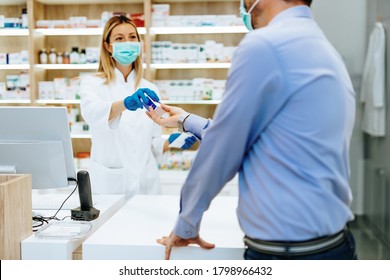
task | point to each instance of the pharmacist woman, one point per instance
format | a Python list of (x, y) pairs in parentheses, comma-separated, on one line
[(126, 144)]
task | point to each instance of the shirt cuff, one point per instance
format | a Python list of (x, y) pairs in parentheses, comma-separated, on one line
[(185, 230), (195, 124)]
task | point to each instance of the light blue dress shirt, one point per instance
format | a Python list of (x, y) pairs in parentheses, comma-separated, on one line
[(284, 124)]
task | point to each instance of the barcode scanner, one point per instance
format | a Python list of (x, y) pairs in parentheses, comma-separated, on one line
[(86, 211)]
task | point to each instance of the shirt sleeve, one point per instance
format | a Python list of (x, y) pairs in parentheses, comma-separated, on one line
[(94, 109), (238, 122), (196, 125)]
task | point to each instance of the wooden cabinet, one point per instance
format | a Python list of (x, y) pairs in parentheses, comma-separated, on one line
[(15, 214)]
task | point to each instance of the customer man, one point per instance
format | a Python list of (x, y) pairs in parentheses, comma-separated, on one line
[(284, 124)]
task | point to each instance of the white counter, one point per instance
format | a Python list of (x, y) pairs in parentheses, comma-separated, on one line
[(132, 232), (173, 180), (34, 248)]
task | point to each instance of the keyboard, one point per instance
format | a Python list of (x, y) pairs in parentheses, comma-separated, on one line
[(54, 201)]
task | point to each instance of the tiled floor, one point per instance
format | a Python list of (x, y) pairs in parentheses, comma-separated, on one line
[(368, 246)]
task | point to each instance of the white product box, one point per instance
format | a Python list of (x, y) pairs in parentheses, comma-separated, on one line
[(60, 88), (174, 21), (24, 80), (74, 86), (160, 14), (92, 54), (160, 10), (24, 57), (44, 23), (46, 90), (78, 22), (1, 21), (13, 81), (14, 58), (3, 58), (3, 89)]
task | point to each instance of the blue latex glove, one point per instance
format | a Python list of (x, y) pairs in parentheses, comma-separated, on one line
[(151, 94), (133, 102), (188, 142)]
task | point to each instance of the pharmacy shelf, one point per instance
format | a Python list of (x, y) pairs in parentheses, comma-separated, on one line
[(88, 66), (190, 65), (76, 2), (183, 1), (14, 66), (58, 101), (192, 102), (77, 31), (14, 32), (69, 31), (80, 135), (198, 30), (15, 101), (12, 2)]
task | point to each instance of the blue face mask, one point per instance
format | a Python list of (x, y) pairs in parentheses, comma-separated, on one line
[(126, 53), (246, 15)]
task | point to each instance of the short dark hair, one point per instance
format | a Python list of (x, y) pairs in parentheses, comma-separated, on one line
[(307, 2)]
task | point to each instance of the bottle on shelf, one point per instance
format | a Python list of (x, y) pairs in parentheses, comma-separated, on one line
[(66, 58), (24, 21), (60, 59), (83, 57), (53, 56), (43, 56), (75, 56)]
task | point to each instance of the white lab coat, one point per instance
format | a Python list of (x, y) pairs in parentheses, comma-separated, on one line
[(125, 151), (373, 84)]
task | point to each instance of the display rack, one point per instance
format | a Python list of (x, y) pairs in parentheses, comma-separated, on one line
[(34, 39)]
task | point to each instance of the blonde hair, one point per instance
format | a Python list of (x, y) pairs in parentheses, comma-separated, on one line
[(107, 63)]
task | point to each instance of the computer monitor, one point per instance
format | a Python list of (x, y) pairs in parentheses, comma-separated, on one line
[(36, 141)]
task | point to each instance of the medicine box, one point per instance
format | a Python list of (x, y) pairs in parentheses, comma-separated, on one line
[(3, 58), (1, 21)]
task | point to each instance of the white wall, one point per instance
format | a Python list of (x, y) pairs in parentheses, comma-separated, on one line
[(344, 23)]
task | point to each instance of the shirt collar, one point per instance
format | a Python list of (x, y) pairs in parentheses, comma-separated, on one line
[(296, 11), (119, 76)]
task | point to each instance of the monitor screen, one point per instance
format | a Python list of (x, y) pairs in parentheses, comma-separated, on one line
[(36, 141)]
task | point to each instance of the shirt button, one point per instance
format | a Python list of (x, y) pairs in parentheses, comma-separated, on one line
[(189, 233)]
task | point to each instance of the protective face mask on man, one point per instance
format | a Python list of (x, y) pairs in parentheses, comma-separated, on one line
[(246, 15), (126, 53)]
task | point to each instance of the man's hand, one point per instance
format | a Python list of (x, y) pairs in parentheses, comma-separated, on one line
[(175, 241), (169, 121)]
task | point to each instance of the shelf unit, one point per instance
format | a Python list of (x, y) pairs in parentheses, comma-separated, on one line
[(11, 41), (168, 66), (62, 39), (14, 32), (14, 66), (197, 30)]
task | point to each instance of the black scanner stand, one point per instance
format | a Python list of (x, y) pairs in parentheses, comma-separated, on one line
[(86, 211)]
